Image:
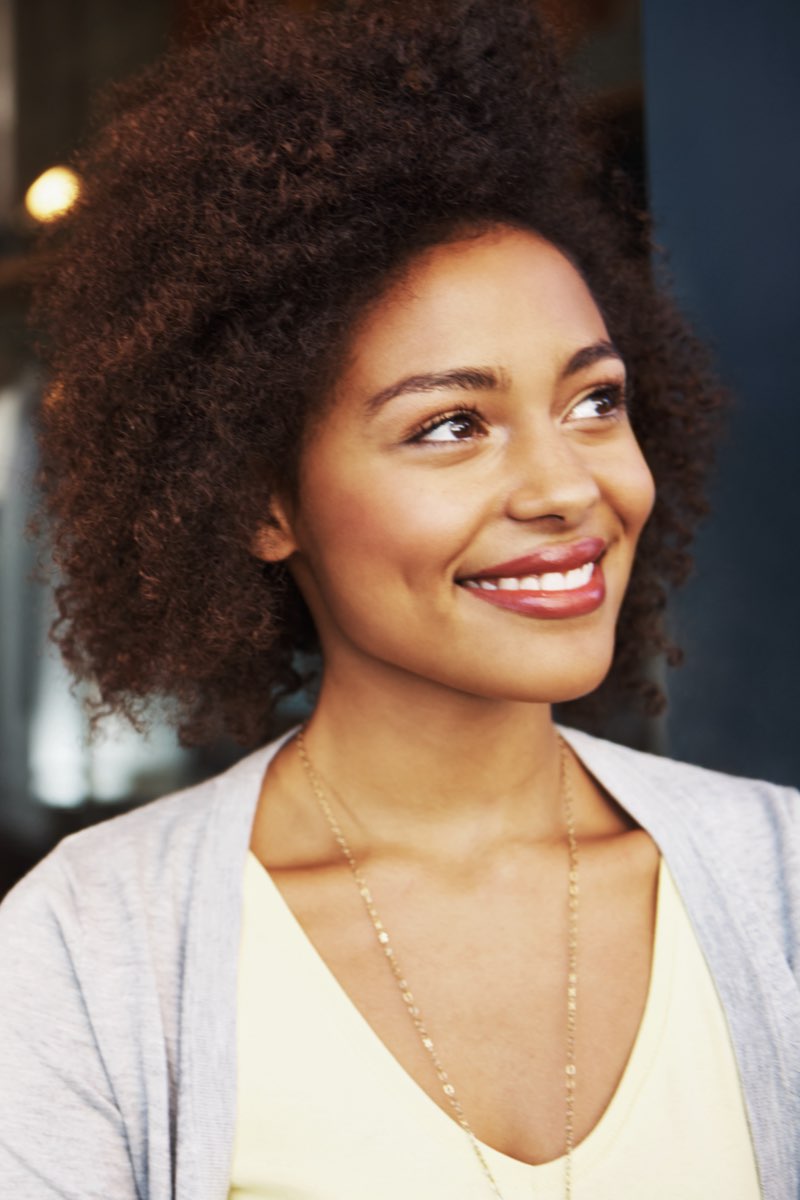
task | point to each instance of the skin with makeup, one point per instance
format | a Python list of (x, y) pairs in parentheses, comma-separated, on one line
[(468, 510)]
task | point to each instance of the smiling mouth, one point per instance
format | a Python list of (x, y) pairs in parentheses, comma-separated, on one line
[(549, 581), (551, 595)]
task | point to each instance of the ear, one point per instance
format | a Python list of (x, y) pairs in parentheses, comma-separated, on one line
[(274, 540)]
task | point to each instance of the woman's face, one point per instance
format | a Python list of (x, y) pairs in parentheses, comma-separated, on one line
[(470, 502)]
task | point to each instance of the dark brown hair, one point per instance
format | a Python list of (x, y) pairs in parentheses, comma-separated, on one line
[(247, 200)]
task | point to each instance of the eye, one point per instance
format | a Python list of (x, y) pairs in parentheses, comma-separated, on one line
[(446, 428), (604, 403)]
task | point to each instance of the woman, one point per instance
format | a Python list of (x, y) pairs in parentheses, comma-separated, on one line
[(343, 339)]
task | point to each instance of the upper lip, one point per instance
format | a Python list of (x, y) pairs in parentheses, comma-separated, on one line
[(557, 557)]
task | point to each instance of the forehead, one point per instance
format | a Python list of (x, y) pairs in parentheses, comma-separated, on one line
[(482, 298)]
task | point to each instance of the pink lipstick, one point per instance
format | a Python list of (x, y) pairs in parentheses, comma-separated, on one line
[(555, 582)]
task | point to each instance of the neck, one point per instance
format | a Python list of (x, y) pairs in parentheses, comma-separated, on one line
[(415, 763)]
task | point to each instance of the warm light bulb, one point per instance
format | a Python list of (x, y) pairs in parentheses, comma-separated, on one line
[(52, 194)]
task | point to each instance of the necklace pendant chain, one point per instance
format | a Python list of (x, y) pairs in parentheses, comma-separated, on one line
[(570, 1070)]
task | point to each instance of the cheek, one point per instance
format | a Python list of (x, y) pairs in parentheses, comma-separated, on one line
[(643, 494), (631, 489), (381, 523)]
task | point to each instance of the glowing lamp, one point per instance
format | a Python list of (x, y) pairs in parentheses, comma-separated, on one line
[(52, 194)]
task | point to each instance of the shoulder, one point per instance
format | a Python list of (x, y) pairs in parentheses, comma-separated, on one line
[(751, 822), (721, 834), (706, 794), (145, 864), (105, 946), (122, 926)]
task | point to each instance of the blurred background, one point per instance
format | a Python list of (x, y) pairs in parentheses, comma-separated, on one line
[(701, 104)]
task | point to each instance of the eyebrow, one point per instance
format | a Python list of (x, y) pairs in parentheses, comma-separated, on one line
[(474, 379)]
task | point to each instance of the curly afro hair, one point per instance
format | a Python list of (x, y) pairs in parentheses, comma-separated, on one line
[(245, 203)]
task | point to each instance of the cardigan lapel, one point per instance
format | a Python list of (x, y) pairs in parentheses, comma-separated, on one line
[(207, 1079), (757, 989)]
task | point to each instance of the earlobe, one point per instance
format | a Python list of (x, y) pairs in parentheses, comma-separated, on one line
[(274, 540)]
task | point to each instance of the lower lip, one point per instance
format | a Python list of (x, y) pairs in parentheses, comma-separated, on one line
[(555, 606)]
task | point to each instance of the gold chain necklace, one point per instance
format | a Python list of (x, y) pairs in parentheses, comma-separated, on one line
[(408, 996)]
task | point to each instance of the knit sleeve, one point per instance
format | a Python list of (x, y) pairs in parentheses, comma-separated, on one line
[(61, 1131)]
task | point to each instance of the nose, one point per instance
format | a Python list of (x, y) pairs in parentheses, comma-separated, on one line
[(550, 477)]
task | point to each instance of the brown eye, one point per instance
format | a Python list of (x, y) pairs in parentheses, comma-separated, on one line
[(605, 402), (456, 427)]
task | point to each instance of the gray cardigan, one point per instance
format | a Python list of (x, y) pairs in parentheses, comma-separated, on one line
[(118, 959)]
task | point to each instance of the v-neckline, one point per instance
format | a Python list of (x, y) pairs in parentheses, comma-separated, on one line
[(637, 1067)]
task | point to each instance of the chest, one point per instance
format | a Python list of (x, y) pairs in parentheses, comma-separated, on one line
[(324, 1109), (486, 967)]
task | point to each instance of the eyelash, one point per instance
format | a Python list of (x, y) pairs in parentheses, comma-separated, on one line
[(615, 393), (464, 410)]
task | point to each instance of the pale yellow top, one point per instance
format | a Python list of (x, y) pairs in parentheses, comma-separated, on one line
[(325, 1112)]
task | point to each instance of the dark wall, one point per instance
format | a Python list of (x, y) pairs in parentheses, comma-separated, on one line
[(722, 90), (65, 51)]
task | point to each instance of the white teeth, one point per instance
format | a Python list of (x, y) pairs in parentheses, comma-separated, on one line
[(550, 581), (556, 581), (553, 581)]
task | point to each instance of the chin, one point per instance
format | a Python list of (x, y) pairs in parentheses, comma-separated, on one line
[(550, 677), (558, 685), (562, 691)]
